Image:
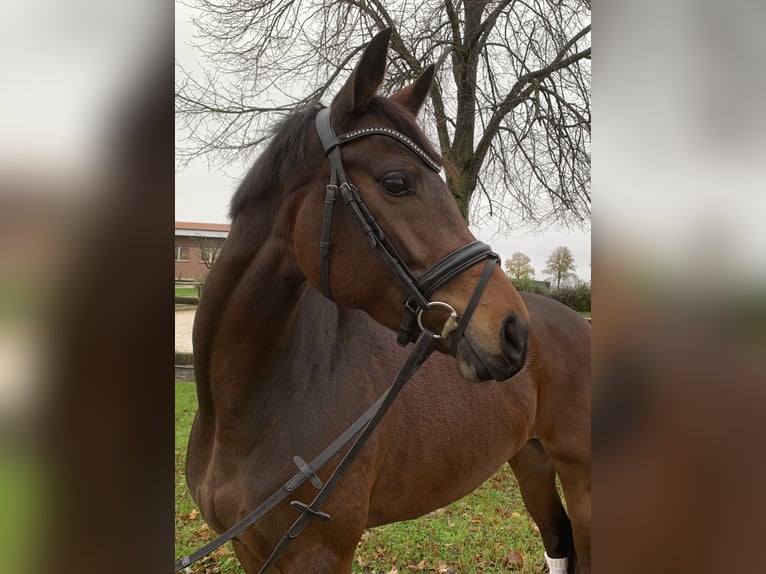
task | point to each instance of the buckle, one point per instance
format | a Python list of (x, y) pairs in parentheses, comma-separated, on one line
[(306, 471)]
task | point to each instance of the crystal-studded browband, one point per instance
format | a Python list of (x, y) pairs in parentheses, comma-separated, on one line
[(363, 132)]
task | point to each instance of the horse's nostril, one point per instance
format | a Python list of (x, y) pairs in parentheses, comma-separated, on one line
[(513, 340)]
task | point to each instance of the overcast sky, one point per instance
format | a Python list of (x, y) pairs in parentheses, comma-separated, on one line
[(203, 194)]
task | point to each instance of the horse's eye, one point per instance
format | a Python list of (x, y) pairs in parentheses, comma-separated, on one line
[(396, 185)]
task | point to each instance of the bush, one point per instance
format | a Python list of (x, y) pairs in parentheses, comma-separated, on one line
[(531, 286), (577, 297)]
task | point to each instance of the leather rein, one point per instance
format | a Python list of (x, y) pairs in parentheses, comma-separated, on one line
[(416, 302)]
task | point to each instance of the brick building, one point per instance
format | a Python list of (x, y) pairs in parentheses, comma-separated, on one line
[(197, 246)]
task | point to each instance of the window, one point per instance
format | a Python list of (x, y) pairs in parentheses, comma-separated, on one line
[(182, 253)]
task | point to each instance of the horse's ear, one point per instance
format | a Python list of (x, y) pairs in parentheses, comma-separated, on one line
[(413, 96), (356, 93)]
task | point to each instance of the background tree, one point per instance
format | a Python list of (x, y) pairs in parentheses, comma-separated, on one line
[(560, 266), (509, 107), (209, 248), (519, 266)]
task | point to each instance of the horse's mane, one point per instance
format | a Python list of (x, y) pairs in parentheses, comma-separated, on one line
[(285, 152)]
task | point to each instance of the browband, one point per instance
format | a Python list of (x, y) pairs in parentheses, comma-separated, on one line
[(330, 141)]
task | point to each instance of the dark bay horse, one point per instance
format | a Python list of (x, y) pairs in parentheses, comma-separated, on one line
[(282, 369)]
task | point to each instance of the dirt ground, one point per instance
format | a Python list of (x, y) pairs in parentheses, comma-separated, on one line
[(184, 322)]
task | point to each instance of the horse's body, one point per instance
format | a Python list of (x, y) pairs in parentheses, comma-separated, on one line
[(282, 370)]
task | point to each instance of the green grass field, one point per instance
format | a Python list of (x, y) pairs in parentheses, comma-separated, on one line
[(24, 508), (186, 291), (487, 532)]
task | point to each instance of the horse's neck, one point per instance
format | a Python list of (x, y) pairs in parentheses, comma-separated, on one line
[(245, 325)]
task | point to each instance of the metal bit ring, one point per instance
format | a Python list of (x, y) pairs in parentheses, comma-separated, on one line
[(450, 324)]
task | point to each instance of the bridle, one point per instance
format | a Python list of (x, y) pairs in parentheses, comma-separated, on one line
[(419, 290), (416, 303)]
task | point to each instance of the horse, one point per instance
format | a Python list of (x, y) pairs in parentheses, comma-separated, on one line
[(293, 340)]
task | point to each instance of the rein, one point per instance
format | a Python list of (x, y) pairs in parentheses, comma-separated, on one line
[(307, 471), (416, 303)]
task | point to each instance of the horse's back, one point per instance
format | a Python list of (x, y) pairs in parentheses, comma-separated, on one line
[(559, 361), (559, 328)]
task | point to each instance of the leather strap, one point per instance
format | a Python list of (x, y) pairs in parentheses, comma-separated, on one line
[(326, 242), (472, 304), (439, 274), (400, 137), (372, 231), (297, 480), (330, 141), (453, 265), (309, 512)]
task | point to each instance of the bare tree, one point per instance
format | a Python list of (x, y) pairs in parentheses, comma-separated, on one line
[(209, 248), (510, 106)]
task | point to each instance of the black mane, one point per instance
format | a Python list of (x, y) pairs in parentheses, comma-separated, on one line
[(284, 153)]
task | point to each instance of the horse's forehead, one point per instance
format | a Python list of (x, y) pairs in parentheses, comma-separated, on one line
[(382, 112)]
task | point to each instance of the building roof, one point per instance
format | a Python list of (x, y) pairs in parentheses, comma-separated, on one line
[(193, 229), (203, 226)]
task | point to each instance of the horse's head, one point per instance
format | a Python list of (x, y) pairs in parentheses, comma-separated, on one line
[(407, 211)]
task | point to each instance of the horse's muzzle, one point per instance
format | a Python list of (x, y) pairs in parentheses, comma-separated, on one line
[(478, 364), (514, 338)]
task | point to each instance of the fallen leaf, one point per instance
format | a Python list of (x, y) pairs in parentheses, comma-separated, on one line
[(514, 560)]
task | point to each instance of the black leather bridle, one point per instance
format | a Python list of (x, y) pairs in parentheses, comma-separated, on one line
[(419, 290)]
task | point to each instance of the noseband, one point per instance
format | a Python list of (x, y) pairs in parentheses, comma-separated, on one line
[(419, 290)]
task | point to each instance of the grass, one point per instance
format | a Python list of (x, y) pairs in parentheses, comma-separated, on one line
[(487, 532), (24, 494), (186, 291)]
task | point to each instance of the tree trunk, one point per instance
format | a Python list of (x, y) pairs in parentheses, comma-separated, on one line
[(462, 195), (465, 59)]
